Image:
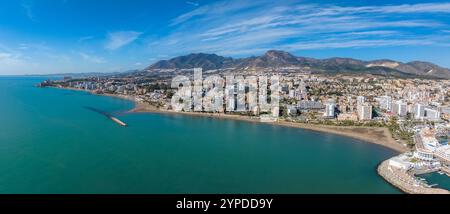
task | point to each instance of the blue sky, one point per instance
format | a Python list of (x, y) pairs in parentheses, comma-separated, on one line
[(59, 36)]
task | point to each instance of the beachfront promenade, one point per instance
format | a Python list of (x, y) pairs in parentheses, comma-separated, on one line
[(406, 182)]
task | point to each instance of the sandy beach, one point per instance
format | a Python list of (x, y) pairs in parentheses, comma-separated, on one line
[(376, 135)]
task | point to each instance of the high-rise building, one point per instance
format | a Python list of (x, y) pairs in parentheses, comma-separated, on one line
[(360, 100), (400, 108), (365, 112), (197, 89), (385, 103), (432, 114), (302, 92), (229, 93), (240, 93), (330, 108), (350, 103), (419, 111)]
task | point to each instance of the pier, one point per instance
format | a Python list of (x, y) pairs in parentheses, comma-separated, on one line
[(108, 115), (117, 121)]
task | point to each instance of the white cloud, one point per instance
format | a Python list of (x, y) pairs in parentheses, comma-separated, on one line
[(85, 38), (193, 3), (28, 10), (90, 58), (404, 8), (248, 27), (239, 52), (119, 39), (37, 46), (23, 46), (10, 59), (59, 57), (354, 44), (374, 32), (217, 9), (12, 63)]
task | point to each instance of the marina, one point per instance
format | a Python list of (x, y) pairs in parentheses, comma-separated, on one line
[(407, 182)]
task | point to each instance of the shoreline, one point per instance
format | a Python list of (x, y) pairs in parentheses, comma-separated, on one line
[(366, 134), (375, 135)]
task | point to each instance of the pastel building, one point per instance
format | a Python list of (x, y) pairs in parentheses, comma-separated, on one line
[(365, 112)]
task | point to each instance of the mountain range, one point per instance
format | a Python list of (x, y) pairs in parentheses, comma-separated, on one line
[(281, 59)]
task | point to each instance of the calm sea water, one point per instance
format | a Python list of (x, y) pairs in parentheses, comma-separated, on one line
[(50, 143), (442, 181)]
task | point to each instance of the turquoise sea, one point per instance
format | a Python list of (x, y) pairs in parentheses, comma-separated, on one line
[(442, 181), (51, 143)]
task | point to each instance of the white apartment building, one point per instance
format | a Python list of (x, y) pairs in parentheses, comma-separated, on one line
[(365, 112), (360, 100), (400, 108), (419, 111), (330, 108), (431, 114), (385, 103), (426, 145)]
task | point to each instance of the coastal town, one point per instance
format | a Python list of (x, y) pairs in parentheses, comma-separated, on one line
[(416, 111), (225, 105)]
